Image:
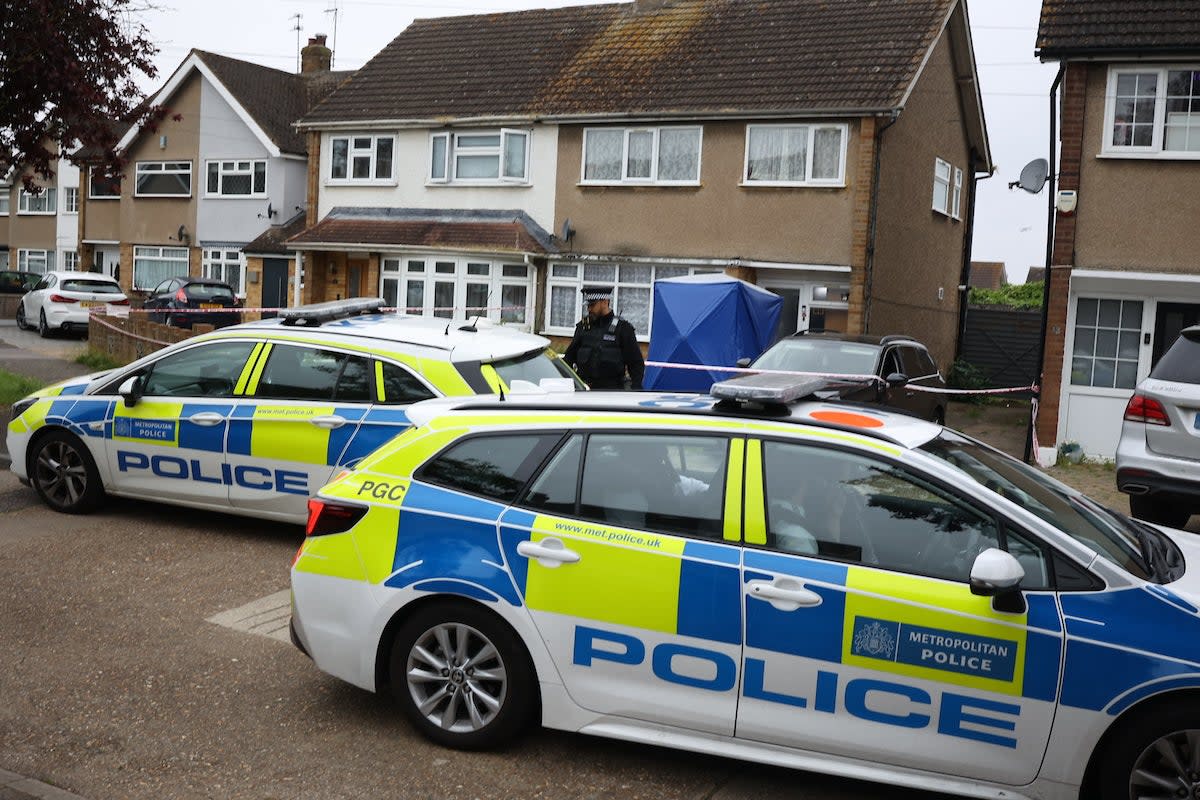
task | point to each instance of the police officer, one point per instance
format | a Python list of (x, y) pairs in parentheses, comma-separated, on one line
[(605, 346)]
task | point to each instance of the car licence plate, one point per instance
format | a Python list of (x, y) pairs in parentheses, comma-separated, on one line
[(92, 303), (211, 305)]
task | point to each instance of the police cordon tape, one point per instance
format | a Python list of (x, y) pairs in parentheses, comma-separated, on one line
[(470, 310), (847, 377)]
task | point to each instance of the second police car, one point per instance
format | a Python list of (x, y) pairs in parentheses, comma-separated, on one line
[(254, 418), (809, 584)]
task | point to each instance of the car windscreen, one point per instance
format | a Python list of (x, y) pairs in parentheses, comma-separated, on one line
[(92, 286), (813, 355), (208, 291), (1181, 362), (534, 366), (1056, 503)]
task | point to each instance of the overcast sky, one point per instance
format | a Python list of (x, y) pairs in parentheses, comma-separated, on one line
[(1010, 225)]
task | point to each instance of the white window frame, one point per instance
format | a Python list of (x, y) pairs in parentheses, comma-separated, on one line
[(160, 167), (91, 177), (947, 182), (371, 153), (810, 154), (48, 198), (5, 200), (956, 194), (45, 258), (71, 200), (653, 179), (447, 163), (157, 253), (556, 276), (395, 268), (1155, 150), (70, 260), (217, 262), (236, 170)]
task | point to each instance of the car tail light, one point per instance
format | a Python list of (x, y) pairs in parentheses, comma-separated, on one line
[(58, 298), (325, 517), (124, 301), (181, 296), (1146, 409)]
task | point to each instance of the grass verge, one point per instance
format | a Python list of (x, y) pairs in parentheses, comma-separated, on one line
[(13, 387), (96, 361)]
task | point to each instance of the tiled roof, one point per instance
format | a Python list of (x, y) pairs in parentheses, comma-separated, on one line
[(274, 98), (479, 230), (271, 241), (1118, 26), (690, 56), (987, 274)]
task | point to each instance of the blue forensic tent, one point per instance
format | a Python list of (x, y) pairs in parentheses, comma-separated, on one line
[(707, 319)]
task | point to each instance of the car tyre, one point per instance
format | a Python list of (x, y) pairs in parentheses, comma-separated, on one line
[(1150, 751), (1159, 510), (22, 323), (43, 327), (462, 676), (63, 473)]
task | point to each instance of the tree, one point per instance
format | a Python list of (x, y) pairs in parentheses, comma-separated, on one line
[(67, 76)]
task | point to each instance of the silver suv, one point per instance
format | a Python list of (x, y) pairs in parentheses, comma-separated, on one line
[(1158, 457)]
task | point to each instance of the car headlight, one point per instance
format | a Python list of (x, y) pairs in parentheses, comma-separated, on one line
[(21, 406)]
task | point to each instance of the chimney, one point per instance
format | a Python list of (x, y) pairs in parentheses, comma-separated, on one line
[(315, 57)]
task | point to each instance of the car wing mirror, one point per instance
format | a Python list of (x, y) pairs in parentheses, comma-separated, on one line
[(744, 362), (998, 575), (896, 380), (131, 390)]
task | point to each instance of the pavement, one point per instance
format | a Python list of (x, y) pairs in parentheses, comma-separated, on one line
[(18, 787)]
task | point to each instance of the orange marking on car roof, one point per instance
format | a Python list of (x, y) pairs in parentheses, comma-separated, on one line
[(847, 418)]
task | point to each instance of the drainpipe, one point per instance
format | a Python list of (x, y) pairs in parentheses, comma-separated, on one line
[(1051, 182), (869, 267), (964, 277)]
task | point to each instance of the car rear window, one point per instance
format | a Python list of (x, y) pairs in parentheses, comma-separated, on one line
[(533, 367), (1181, 363), (93, 286), (814, 355), (492, 466), (209, 291)]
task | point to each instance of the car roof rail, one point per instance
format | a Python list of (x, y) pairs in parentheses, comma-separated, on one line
[(771, 393), (897, 337), (313, 315)]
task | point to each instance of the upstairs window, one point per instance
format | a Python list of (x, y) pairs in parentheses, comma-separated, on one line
[(1153, 111), (46, 202), (361, 158), (947, 188), (237, 178), (163, 179), (796, 155), (71, 200), (479, 157), (5, 199), (663, 156), (103, 187)]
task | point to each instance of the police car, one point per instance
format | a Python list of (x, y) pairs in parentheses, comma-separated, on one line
[(759, 575), (253, 418)]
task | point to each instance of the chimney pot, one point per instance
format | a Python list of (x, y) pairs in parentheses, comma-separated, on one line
[(316, 57)]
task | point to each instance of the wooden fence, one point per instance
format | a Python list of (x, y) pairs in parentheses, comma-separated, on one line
[(1002, 343), (126, 339)]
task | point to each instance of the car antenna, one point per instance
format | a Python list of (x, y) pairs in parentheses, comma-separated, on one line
[(448, 324)]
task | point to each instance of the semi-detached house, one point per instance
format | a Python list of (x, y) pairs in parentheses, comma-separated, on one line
[(494, 164)]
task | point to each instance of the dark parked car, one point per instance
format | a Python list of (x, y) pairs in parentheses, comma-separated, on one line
[(902, 362), (184, 301), (14, 282)]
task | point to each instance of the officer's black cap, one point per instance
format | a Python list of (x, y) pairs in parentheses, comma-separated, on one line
[(593, 293)]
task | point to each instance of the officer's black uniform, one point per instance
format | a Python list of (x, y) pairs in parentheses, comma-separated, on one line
[(602, 350)]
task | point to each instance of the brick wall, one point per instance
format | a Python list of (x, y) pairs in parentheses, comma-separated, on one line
[(126, 339), (864, 170)]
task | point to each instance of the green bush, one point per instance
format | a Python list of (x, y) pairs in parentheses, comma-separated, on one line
[(965, 375), (1014, 295), (96, 361)]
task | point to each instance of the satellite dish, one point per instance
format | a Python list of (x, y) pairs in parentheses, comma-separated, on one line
[(1033, 176), (567, 231)]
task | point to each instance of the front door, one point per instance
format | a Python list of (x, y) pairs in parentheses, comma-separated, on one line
[(863, 638), (275, 284), (629, 578)]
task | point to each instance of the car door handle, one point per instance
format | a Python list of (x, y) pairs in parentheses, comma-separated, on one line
[(550, 553), (330, 422), (785, 594), (206, 418)]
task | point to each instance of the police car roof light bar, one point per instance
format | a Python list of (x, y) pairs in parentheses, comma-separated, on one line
[(316, 313), (767, 389)]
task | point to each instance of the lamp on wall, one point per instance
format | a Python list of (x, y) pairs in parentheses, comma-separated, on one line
[(181, 235)]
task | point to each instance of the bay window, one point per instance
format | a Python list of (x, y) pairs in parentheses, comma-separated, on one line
[(153, 265)]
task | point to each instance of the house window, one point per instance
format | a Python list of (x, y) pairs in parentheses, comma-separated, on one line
[(226, 266), (70, 260), (103, 187), (479, 157), (1153, 111), (39, 261), (664, 156), (5, 200), (45, 202), (153, 265), (947, 188), (956, 194), (361, 158), (632, 291), (71, 200), (237, 178), (454, 289), (163, 179), (4, 259), (1107, 343), (796, 155)]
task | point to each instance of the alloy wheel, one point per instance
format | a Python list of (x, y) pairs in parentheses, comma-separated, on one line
[(1168, 768), (61, 473), (456, 677)]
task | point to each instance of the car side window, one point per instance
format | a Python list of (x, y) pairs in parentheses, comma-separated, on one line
[(911, 364), (209, 370), (162, 287), (849, 507), (491, 466), (928, 365), (400, 386), (890, 363), (555, 490), (45, 283), (663, 482), (307, 373)]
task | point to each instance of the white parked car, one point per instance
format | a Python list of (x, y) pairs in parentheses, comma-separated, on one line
[(62, 301)]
